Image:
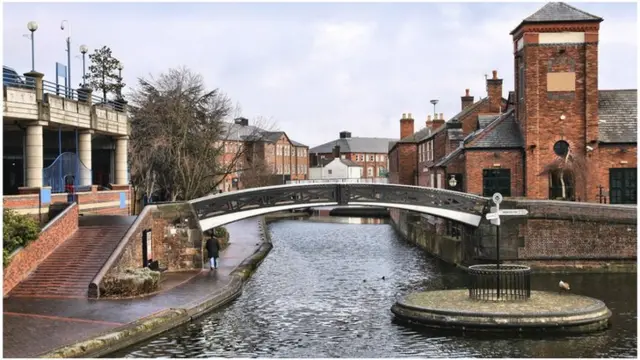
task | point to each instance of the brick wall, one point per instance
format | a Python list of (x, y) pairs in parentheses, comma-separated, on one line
[(175, 250), (403, 158), (477, 160), (607, 157), (51, 236), (558, 234)]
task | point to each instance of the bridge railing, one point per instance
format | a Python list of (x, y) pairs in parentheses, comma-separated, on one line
[(342, 180)]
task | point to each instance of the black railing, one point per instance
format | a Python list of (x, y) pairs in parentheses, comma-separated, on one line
[(52, 88), (509, 282), (13, 80)]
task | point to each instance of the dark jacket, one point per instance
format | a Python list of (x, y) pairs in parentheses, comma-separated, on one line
[(213, 247)]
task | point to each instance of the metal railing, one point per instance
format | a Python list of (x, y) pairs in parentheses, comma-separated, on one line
[(52, 88), (342, 180), (13, 80), (509, 282)]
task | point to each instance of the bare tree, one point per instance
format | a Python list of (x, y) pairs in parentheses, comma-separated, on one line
[(257, 171), (181, 136)]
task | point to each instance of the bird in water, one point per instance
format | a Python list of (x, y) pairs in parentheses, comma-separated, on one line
[(384, 278), (564, 286)]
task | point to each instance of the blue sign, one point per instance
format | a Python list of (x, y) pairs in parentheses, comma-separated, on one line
[(61, 71)]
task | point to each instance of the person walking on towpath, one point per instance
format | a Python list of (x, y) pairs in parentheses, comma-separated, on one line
[(213, 251)]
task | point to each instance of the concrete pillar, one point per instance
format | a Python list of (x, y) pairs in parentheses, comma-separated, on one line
[(121, 160), (84, 153), (34, 78), (34, 156)]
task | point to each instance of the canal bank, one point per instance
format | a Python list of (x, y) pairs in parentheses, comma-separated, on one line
[(90, 328), (326, 289)]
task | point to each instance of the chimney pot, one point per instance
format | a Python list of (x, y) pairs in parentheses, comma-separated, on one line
[(428, 118), (409, 116), (495, 74), (466, 92), (404, 115), (441, 116)]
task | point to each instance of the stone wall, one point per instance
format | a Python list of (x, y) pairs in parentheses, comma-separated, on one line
[(176, 242), (52, 235), (554, 234)]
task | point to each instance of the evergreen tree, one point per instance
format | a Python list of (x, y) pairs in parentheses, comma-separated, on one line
[(103, 73)]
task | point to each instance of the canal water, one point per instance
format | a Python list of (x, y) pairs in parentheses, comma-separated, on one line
[(321, 293)]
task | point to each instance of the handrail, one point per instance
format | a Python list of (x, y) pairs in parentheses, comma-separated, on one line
[(94, 285)]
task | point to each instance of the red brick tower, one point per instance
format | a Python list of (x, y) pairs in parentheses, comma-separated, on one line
[(556, 81)]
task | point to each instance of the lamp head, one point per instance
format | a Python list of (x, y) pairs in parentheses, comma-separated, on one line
[(120, 66), (84, 49), (32, 26)]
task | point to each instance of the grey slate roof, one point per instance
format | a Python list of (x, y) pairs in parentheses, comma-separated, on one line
[(238, 132), (554, 12), (485, 120), (355, 145), (504, 132), (452, 155), (455, 134), (347, 162), (618, 115)]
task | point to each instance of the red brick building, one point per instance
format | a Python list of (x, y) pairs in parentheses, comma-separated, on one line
[(557, 136), (285, 159)]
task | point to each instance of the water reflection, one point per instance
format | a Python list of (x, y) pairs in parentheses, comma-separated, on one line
[(320, 293)]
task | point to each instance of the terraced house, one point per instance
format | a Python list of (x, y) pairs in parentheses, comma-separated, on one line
[(557, 136)]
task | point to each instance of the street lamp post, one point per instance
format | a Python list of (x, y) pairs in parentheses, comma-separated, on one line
[(83, 50), (120, 68), (62, 27), (434, 102), (32, 26)]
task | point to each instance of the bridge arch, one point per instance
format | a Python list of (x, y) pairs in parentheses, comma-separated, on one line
[(220, 209)]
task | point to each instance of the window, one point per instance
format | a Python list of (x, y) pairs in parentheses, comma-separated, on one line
[(279, 169), (623, 185), (439, 181), (381, 172), (521, 82), (496, 180), (420, 153), (343, 156), (371, 158), (561, 185), (561, 148), (369, 171), (329, 171), (433, 181)]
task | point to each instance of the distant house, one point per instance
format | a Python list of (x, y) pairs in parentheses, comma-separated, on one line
[(336, 168), (370, 153)]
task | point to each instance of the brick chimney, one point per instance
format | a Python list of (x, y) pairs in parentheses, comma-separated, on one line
[(494, 91), (438, 121), (406, 125), (336, 152), (466, 99)]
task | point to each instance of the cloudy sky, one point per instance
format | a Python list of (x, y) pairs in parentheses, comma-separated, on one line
[(315, 69)]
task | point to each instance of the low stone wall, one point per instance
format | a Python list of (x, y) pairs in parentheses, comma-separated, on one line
[(51, 236), (106, 202), (173, 226), (556, 235)]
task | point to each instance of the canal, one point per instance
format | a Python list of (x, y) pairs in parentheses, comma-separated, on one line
[(321, 293)]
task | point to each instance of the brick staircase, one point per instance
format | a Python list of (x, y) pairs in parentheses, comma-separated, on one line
[(72, 266)]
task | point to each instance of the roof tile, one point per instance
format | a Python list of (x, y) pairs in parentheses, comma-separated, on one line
[(618, 115)]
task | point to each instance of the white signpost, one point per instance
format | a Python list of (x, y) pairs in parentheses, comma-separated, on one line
[(494, 217)]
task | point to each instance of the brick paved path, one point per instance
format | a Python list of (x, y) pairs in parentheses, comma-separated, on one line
[(72, 266), (38, 324)]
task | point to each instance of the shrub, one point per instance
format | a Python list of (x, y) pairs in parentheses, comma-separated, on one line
[(17, 231)]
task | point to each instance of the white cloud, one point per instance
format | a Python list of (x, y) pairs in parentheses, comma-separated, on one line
[(316, 69)]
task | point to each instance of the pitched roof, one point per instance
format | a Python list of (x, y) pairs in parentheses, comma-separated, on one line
[(558, 12), (350, 163), (618, 115), (485, 120), (503, 132), (355, 144), (452, 155), (324, 162), (295, 143)]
